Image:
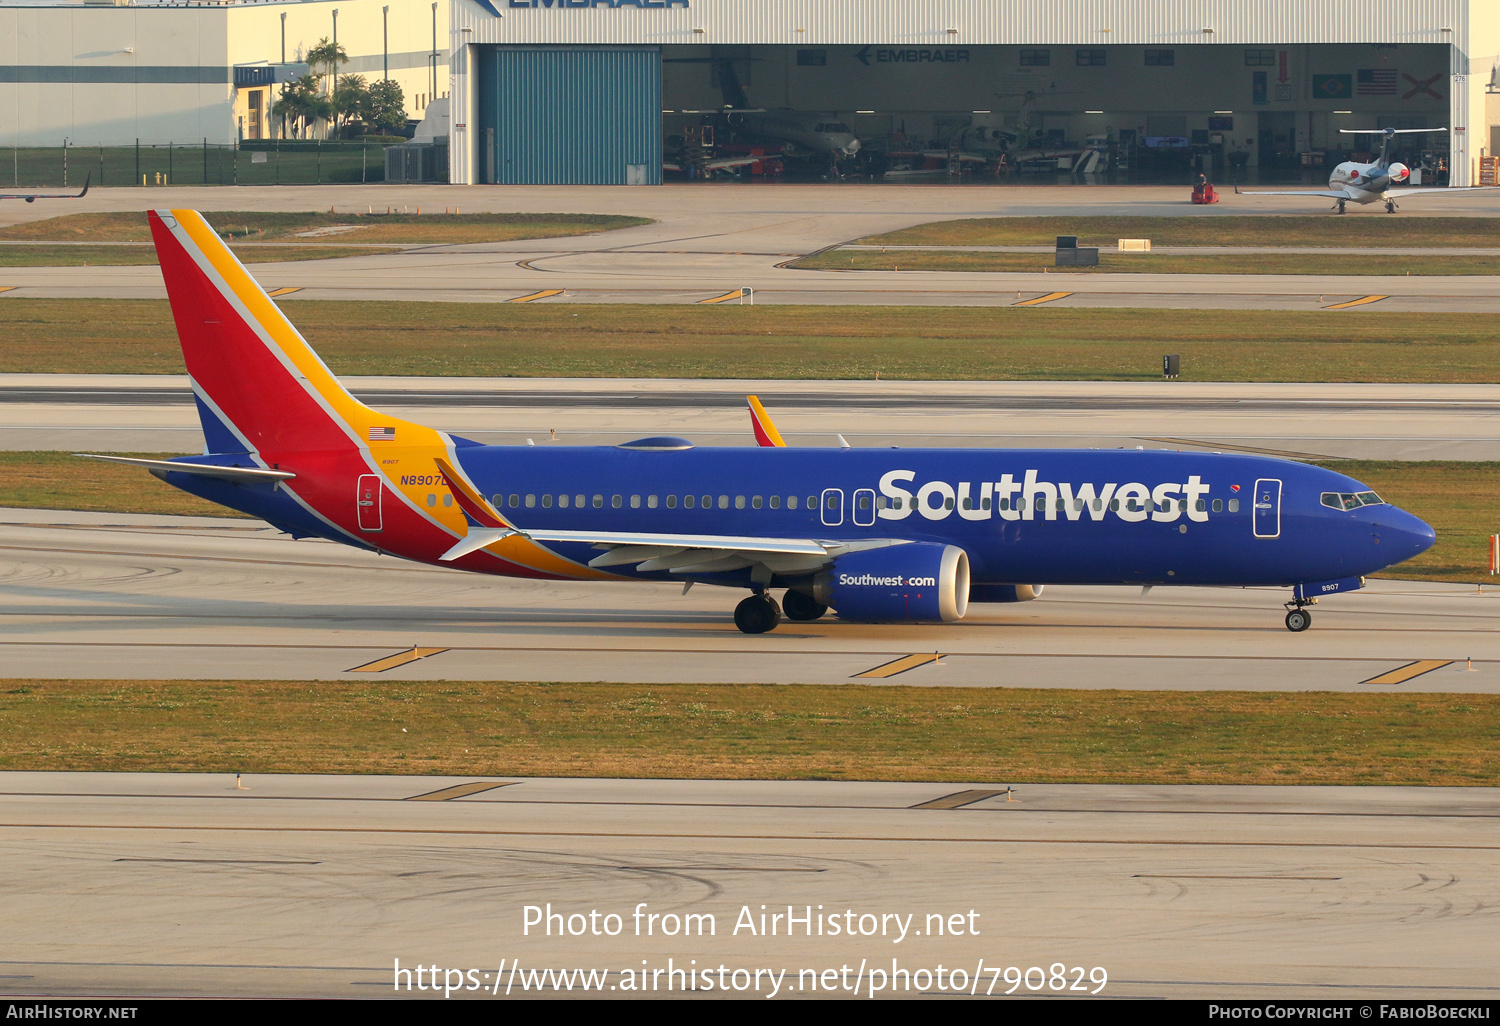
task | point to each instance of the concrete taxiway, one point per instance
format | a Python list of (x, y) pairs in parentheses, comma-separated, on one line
[(707, 241), (108, 595), (151, 884), (154, 413)]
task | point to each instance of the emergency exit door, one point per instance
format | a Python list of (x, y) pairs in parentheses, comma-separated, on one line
[(367, 502), (1267, 508)]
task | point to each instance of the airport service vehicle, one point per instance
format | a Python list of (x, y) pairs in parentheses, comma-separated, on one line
[(876, 535), (1353, 182)]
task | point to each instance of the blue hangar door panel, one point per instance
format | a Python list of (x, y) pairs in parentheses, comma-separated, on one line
[(557, 115)]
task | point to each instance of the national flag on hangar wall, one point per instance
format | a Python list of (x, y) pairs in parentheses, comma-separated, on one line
[(1332, 87), (1376, 82)]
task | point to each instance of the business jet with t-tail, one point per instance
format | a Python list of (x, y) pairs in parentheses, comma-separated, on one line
[(1353, 182), (876, 535)]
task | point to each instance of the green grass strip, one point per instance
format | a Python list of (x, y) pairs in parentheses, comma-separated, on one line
[(124, 336), (267, 226), (1208, 229), (751, 731), (1111, 262)]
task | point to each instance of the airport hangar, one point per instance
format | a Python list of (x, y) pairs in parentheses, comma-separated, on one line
[(583, 91), (117, 72)]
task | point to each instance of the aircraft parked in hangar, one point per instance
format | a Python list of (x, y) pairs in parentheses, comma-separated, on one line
[(816, 132), (820, 133), (1353, 182), (877, 535)]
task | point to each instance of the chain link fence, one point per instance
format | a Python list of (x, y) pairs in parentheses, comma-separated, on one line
[(261, 162)]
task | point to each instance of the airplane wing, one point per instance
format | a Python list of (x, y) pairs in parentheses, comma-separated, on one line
[(720, 163), (159, 467), (32, 197), (1413, 192), (674, 553), (766, 434), (1328, 193)]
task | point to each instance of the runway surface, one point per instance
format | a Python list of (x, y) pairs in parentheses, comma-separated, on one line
[(116, 596), (709, 241), (168, 884), (154, 413)]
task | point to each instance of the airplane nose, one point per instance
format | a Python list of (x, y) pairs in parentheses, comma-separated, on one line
[(1399, 535)]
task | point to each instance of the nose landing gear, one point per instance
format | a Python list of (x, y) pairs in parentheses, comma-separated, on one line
[(1298, 619)]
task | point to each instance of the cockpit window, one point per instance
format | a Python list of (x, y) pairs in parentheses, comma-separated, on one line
[(834, 126), (1350, 500)]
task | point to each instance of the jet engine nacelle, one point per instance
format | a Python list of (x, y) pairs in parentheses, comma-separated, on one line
[(1398, 172), (918, 581), (1004, 592)]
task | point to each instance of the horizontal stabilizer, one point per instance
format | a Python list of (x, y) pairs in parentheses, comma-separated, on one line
[(476, 539), (241, 474)]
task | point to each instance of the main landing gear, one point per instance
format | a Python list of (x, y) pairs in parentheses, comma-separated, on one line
[(759, 613), (1340, 206), (1390, 206)]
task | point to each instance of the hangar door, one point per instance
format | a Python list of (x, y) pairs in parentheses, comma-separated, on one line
[(570, 115)]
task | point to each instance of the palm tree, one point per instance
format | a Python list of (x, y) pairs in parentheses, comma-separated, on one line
[(351, 100), (325, 57), (301, 104)]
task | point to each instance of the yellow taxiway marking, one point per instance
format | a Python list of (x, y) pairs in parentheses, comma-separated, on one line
[(1039, 300), (1402, 674), (1361, 301), (447, 794), (544, 294), (959, 799), (390, 662), (726, 297), (287, 291), (9, 288), (895, 666)]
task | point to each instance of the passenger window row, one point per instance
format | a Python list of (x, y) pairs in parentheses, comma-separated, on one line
[(517, 501)]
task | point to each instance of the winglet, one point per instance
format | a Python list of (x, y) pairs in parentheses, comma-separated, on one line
[(766, 434)]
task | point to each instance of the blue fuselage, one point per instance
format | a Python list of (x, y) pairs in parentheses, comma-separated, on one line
[(1034, 515)]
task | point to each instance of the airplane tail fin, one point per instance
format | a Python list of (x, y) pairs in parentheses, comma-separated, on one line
[(766, 434), (259, 385)]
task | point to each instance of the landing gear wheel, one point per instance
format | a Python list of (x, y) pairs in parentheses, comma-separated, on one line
[(1298, 620), (757, 614), (1341, 206), (801, 607), (1390, 206)]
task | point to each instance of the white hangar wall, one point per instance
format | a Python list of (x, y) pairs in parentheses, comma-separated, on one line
[(1456, 40)]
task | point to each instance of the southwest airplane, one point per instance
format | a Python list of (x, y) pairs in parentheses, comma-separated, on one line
[(1353, 182), (877, 535)]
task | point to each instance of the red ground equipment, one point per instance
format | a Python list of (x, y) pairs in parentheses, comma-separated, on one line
[(1204, 192)]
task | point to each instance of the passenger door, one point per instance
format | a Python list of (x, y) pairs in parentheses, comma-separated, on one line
[(1267, 508), (367, 501)]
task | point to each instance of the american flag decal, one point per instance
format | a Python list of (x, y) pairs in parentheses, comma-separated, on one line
[(382, 434), (1376, 82)]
